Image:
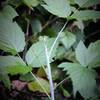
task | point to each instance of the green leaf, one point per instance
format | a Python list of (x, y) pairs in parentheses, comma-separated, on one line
[(31, 3), (4, 78), (86, 15), (35, 86), (65, 92), (11, 36), (82, 54), (27, 77), (13, 65), (95, 63), (67, 39), (8, 12), (87, 3), (15, 3), (60, 52), (60, 8), (94, 49), (36, 57), (41, 72), (88, 56), (36, 26), (71, 1), (81, 78)]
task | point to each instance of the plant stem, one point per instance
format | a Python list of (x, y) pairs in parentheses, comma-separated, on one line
[(49, 71), (61, 82), (57, 38), (28, 24)]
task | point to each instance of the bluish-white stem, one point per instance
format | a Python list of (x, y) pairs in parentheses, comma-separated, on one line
[(49, 71), (57, 39)]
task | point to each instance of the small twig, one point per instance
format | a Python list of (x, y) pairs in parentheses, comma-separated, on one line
[(27, 33), (57, 38), (49, 22), (92, 34), (61, 82), (28, 24)]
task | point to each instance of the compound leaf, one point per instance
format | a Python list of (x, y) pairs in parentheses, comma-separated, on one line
[(81, 78)]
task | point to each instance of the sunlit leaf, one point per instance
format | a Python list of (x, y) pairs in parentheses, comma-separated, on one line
[(31, 3), (35, 86)]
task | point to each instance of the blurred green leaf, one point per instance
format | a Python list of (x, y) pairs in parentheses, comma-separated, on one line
[(41, 72), (82, 54), (27, 77), (35, 86), (36, 57), (15, 3), (86, 15), (60, 52), (8, 12), (65, 92), (87, 56), (94, 49), (60, 8), (13, 65), (4, 78), (31, 3), (87, 3), (36, 26), (11, 36), (81, 78), (67, 39)]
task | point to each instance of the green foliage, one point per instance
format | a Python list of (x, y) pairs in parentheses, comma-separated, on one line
[(27, 77), (8, 12), (60, 8), (11, 36), (87, 56), (28, 53), (86, 15), (82, 54), (4, 78), (35, 56), (80, 75), (87, 3), (36, 26), (81, 78), (35, 86), (13, 65), (67, 39), (65, 92), (31, 3)]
